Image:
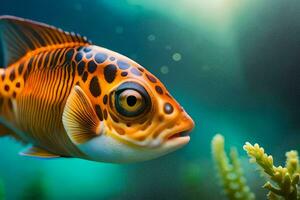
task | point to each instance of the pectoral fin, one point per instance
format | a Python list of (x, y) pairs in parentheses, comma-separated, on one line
[(79, 117), (37, 152)]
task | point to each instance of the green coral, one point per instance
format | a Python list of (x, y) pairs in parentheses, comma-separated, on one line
[(283, 181), (230, 171)]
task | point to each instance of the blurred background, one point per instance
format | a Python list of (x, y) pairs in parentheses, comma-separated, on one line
[(233, 65)]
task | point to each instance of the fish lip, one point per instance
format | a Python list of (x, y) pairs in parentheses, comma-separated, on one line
[(186, 126), (179, 134)]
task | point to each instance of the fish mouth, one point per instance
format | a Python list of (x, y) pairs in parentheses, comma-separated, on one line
[(181, 134)]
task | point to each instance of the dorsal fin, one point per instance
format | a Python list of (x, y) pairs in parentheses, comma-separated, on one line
[(20, 36)]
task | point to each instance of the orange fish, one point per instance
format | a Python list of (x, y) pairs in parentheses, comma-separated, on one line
[(64, 97)]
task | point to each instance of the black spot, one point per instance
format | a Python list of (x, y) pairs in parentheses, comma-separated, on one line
[(87, 49), (159, 89), (141, 69), (20, 69), (124, 73), (99, 112), (122, 65), (151, 78), (12, 75), (78, 57), (112, 58), (3, 76), (18, 84), (14, 94), (110, 73), (88, 55), (135, 72), (95, 87), (68, 56), (105, 114), (105, 99), (168, 108), (84, 76), (6, 88), (80, 68), (92, 66), (100, 57)]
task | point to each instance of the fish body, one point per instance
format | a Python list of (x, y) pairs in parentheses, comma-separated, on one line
[(65, 97)]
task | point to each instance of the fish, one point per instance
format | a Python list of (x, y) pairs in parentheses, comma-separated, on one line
[(61, 96)]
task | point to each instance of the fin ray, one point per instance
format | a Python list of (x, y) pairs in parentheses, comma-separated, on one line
[(19, 36), (34, 151), (79, 117)]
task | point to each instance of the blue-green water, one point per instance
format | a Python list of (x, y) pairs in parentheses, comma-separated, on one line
[(233, 65)]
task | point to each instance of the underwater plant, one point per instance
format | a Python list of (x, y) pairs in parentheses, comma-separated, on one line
[(230, 171), (282, 182)]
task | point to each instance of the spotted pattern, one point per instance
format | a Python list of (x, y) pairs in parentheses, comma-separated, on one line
[(100, 58), (80, 68), (78, 57), (122, 65), (151, 78), (110, 72), (135, 72), (168, 108), (88, 55), (12, 75), (87, 49), (92, 66), (95, 87), (99, 112), (105, 114), (105, 98), (158, 89), (84, 76), (124, 74), (6, 88)]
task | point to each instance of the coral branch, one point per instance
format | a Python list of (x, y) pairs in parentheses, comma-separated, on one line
[(231, 174), (286, 179)]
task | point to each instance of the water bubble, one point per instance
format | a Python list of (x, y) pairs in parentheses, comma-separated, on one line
[(119, 30), (176, 57), (164, 69), (151, 37)]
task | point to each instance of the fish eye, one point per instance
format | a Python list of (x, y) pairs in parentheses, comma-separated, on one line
[(131, 99)]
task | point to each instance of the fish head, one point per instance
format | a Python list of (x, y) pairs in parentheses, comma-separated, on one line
[(142, 120)]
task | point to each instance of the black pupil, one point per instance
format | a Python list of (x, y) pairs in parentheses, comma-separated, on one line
[(131, 100)]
